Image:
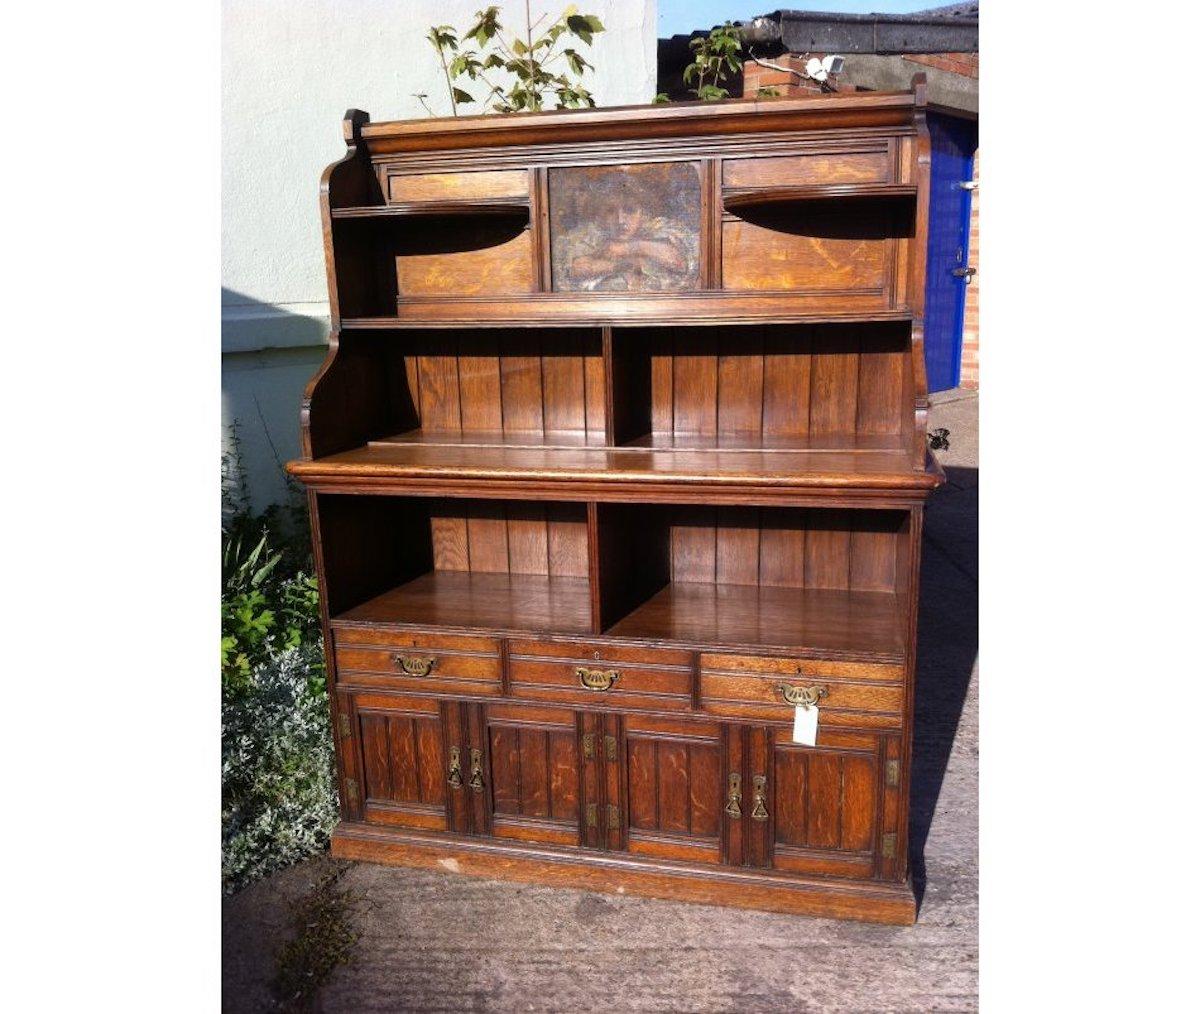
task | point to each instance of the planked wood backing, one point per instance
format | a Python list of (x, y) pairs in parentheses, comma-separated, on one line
[(507, 382), (769, 385), (781, 547), (498, 537)]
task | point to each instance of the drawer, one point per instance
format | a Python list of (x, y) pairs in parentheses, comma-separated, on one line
[(858, 694), (461, 665), (864, 166), (403, 188), (596, 673)]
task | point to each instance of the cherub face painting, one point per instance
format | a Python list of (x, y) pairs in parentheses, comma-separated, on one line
[(632, 228)]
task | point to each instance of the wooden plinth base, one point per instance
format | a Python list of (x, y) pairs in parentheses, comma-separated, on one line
[(600, 871)]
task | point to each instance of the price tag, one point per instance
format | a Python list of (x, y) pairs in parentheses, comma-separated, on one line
[(804, 726)]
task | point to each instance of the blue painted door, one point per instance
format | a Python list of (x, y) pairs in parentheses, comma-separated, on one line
[(952, 149)]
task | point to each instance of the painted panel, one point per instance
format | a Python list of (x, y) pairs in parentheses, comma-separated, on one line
[(630, 228)]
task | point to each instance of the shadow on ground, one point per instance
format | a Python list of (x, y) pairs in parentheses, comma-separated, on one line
[(948, 644)]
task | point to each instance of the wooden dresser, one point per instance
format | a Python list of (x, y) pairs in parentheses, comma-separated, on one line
[(616, 469)]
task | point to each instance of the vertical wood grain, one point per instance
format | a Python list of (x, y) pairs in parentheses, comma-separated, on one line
[(858, 803), (479, 383), (487, 535), (740, 385), (535, 773), (643, 783), (564, 775), (738, 534), (528, 550), (403, 759), (563, 383), (521, 384), (705, 789), (833, 400), (695, 385), (673, 787), (824, 801)]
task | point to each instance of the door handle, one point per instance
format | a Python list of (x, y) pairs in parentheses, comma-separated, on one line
[(967, 273)]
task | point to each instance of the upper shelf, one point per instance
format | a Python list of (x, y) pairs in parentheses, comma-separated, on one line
[(745, 197), (575, 309), (478, 206), (533, 470)]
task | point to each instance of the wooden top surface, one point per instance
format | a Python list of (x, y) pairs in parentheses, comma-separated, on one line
[(626, 466), (833, 622), (676, 119)]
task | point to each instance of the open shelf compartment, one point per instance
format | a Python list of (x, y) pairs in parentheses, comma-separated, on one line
[(730, 406), (471, 564), (827, 580), (833, 581)]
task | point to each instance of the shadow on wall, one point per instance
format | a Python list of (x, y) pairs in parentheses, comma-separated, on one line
[(268, 355), (947, 646)]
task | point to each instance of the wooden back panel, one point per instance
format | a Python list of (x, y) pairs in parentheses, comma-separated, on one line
[(765, 384), (510, 382), (848, 550)]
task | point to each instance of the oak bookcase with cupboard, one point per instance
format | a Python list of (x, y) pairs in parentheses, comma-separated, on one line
[(618, 457)]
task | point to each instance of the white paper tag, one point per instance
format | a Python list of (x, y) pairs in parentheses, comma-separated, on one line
[(804, 726)]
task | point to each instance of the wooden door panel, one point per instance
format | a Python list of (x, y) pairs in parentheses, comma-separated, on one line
[(534, 768), (827, 811), (821, 808), (673, 784), (402, 753)]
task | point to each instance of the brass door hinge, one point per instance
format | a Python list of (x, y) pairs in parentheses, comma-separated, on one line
[(344, 724), (614, 817), (610, 747), (351, 792), (589, 745), (591, 815), (893, 773), (888, 845)]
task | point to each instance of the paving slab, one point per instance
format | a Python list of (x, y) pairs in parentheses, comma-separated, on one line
[(439, 942)]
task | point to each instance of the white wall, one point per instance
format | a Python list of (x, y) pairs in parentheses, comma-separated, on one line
[(290, 70)]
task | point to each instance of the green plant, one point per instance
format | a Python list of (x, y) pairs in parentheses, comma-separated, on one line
[(278, 801), (277, 791), (528, 63), (716, 56)]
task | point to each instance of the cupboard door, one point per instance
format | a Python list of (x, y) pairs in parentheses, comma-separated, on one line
[(410, 766), (820, 810), (674, 789), (533, 781)]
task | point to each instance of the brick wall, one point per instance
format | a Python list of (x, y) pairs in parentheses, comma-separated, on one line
[(756, 76), (970, 349)]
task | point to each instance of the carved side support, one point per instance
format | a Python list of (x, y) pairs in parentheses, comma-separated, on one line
[(348, 182)]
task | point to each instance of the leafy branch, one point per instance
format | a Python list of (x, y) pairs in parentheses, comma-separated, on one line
[(527, 62), (715, 58)]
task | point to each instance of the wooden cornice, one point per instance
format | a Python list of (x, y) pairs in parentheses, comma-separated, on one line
[(625, 123)]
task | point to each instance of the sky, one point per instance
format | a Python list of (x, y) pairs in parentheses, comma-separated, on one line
[(681, 17)]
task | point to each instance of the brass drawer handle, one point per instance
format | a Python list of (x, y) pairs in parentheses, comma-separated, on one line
[(803, 697), (415, 665), (760, 798), (596, 679), (734, 806), (476, 782), (455, 779)]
